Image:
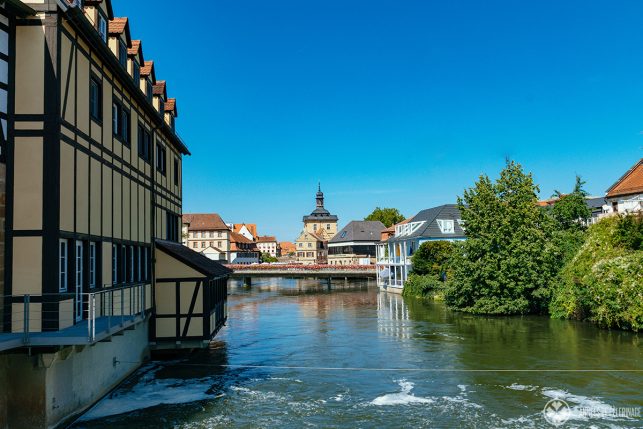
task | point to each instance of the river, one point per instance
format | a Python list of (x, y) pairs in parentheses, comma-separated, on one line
[(295, 354)]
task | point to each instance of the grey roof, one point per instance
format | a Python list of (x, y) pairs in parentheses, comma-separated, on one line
[(595, 202), (193, 259), (359, 230), (430, 228)]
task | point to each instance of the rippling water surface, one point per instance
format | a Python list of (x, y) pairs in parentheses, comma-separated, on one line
[(295, 354)]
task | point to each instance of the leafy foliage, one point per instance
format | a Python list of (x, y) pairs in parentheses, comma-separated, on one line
[(422, 286), (432, 258), (570, 209), (266, 257), (629, 232), (388, 216), (508, 262), (603, 282)]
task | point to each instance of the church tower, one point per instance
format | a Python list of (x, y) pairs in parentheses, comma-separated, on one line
[(319, 227)]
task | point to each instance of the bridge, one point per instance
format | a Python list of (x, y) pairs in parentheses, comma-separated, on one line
[(304, 271)]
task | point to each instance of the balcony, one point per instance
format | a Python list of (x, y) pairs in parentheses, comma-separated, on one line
[(87, 318), (395, 260)]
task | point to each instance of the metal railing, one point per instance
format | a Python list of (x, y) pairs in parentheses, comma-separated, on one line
[(65, 314)]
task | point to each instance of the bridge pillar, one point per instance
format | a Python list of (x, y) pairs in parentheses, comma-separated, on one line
[(329, 282), (247, 281)]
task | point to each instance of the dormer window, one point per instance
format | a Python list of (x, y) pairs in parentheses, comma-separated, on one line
[(446, 226), (122, 54), (102, 27)]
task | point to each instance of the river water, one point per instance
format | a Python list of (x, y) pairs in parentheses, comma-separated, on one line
[(295, 354)]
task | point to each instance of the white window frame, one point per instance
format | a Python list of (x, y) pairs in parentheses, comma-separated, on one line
[(447, 226), (140, 261), (80, 269), (92, 265), (63, 265)]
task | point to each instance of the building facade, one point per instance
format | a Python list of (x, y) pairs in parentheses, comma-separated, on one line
[(243, 250), (90, 169), (269, 244), (319, 227), (626, 195), (207, 233), (356, 243), (394, 256)]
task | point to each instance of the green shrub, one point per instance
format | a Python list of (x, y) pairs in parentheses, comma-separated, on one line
[(629, 232), (603, 282), (419, 286), (432, 258)]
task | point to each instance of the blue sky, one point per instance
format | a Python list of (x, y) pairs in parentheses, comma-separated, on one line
[(390, 103)]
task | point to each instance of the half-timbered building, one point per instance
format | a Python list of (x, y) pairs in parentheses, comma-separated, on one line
[(91, 180)]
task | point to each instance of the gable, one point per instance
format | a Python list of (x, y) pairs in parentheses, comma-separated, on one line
[(631, 183)]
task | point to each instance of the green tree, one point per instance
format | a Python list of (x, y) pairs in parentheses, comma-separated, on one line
[(266, 257), (432, 258), (388, 216), (507, 263), (571, 209)]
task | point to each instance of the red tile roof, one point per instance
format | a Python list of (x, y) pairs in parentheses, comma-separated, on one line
[(160, 89), (267, 239), (117, 26), (252, 227), (148, 68), (136, 47), (170, 106), (631, 183), (204, 222), (235, 237)]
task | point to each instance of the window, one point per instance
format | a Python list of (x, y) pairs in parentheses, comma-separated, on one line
[(176, 172), (95, 99), (102, 27), (92, 265), (136, 73), (144, 143), (120, 123), (160, 159), (139, 261), (446, 226), (343, 234), (146, 265), (79, 265), (219, 234), (211, 234), (114, 264), (194, 245), (62, 262), (328, 226), (202, 234), (122, 54), (314, 227), (172, 226), (212, 244), (123, 273), (202, 244), (130, 271), (310, 245), (218, 244)]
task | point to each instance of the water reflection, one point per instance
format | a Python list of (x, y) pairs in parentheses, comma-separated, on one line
[(299, 354)]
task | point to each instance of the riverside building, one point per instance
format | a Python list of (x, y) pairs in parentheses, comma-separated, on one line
[(90, 167)]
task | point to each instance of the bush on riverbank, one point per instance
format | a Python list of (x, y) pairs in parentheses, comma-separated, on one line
[(603, 282), (423, 286)]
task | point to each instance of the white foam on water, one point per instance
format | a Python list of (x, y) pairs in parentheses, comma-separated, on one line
[(257, 394), (522, 387), (150, 392), (404, 397)]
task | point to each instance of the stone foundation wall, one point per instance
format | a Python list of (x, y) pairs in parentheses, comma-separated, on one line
[(47, 389)]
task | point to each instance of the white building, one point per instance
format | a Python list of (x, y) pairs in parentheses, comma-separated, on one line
[(394, 255), (626, 195), (268, 244)]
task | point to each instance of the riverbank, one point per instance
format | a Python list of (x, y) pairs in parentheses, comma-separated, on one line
[(296, 354)]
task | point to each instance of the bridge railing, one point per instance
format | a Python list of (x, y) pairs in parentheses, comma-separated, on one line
[(306, 268)]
